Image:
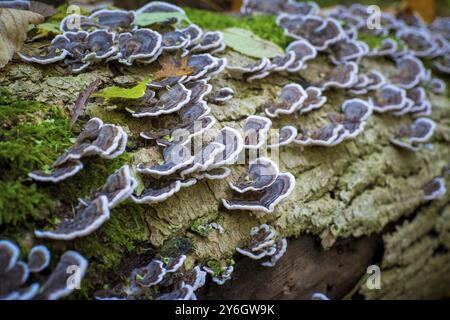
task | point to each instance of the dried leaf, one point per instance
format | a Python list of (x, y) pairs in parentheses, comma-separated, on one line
[(246, 42), (172, 66), (82, 100), (13, 31), (123, 93)]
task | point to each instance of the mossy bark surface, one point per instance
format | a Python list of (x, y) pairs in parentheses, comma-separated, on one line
[(360, 188)]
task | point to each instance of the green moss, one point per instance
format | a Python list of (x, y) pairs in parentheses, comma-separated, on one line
[(202, 227), (218, 267), (263, 26), (13, 208), (31, 137), (117, 237), (176, 247)]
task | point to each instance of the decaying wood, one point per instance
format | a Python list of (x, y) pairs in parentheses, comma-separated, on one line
[(306, 268), (349, 195)]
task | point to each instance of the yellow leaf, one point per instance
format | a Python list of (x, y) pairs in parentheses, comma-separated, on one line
[(13, 31), (123, 93)]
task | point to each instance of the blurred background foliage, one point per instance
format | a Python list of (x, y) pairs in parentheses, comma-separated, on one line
[(428, 8)]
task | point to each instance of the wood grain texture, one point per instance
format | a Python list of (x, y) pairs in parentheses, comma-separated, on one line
[(304, 269)]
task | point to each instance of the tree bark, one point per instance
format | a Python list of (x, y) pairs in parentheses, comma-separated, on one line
[(354, 205)]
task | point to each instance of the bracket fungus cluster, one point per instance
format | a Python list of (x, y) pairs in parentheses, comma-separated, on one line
[(220, 276), (411, 137), (262, 188), (318, 31), (175, 113), (293, 98), (263, 245), (26, 281), (250, 7), (183, 168), (435, 189), (294, 59), (173, 280), (96, 139), (91, 213), (106, 36)]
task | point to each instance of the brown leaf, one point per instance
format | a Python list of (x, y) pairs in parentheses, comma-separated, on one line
[(13, 31), (82, 100), (172, 66)]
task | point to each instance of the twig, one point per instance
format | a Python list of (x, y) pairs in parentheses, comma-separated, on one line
[(82, 99)]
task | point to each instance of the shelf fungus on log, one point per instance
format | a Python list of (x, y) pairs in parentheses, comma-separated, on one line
[(265, 191), (17, 285), (118, 187), (408, 73), (285, 136), (174, 40), (224, 94), (89, 216), (234, 144), (203, 159), (176, 157), (320, 32), (195, 278), (263, 245), (58, 173), (202, 65), (105, 140), (435, 189), (313, 101), (170, 101), (199, 90), (347, 50), (344, 75), (376, 80), (442, 63), (251, 7), (261, 174), (327, 136), (354, 116), (77, 50), (222, 277), (150, 275), (186, 292), (388, 98), (140, 45), (387, 47), (194, 33), (172, 264), (418, 41), (210, 41), (288, 101), (61, 282), (256, 129), (437, 86), (303, 51), (282, 63), (38, 259), (411, 137), (252, 71), (421, 105), (160, 190), (280, 249), (9, 254), (110, 20)]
